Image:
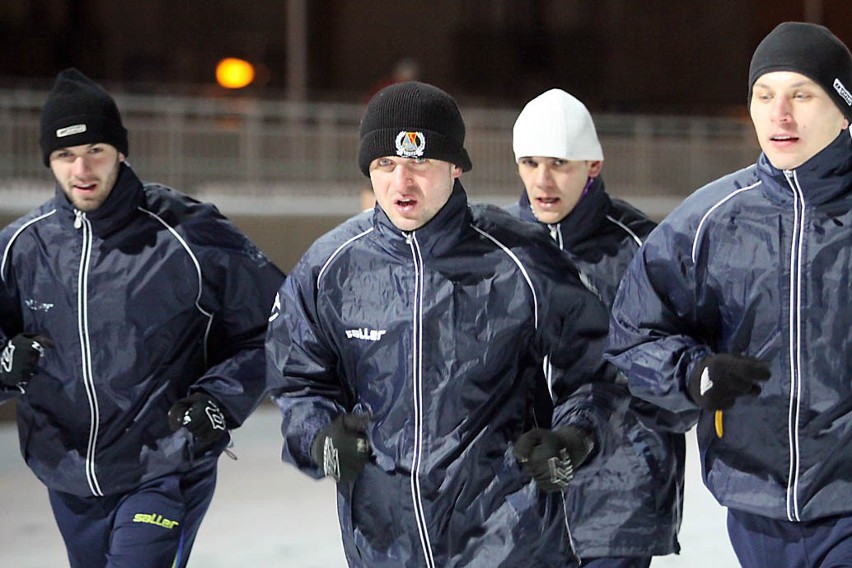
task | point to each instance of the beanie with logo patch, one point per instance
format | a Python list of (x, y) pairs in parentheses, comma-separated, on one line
[(556, 124), (79, 111), (811, 50), (412, 120)]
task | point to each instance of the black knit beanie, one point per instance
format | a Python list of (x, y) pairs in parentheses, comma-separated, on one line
[(79, 111), (811, 50), (412, 119)]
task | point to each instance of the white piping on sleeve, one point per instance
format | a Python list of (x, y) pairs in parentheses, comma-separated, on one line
[(192, 256), (198, 274), (546, 364), (709, 211), (337, 251), (626, 229), (15, 236), (520, 265)]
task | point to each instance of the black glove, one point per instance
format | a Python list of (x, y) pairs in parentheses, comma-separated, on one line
[(718, 380), (200, 414), (341, 449), (20, 358), (550, 457)]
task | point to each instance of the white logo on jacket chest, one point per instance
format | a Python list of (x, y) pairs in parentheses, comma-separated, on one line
[(365, 333)]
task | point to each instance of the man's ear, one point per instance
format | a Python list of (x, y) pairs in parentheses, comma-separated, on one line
[(595, 168)]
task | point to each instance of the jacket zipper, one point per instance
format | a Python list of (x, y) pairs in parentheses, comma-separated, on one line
[(417, 367), (795, 340), (556, 235), (82, 224)]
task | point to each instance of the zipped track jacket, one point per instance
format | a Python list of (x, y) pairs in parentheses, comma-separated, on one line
[(439, 335), (757, 263), (630, 501), (146, 298)]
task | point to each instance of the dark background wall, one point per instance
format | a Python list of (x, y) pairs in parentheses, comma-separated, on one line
[(661, 56)]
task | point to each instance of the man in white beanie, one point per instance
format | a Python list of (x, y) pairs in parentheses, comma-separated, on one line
[(626, 506)]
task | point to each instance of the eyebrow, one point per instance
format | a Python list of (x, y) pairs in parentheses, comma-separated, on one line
[(802, 83), (68, 148)]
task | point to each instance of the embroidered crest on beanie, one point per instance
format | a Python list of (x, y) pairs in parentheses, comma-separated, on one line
[(412, 120), (556, 124), (79, 111), (811, 50)]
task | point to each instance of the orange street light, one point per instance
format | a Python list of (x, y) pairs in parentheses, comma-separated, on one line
[(233, 73)]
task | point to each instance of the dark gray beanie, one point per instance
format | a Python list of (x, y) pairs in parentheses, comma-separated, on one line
[(79, 111), (412, 119), (811, 50)]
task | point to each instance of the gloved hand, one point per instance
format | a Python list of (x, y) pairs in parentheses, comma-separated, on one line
[(718, 380), (200, 414), (551, 457), (341, 449), (20, 357)]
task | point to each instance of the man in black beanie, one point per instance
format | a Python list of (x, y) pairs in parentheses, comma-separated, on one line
[(736, 313), (78, 111), (407, 349), (133, 320)]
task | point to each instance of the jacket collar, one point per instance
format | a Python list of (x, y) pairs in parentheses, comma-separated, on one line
[(584, 220), (823, 178), (121, 204), (436, 237)]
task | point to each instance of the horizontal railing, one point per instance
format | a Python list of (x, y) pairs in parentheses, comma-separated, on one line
[(268, 154)]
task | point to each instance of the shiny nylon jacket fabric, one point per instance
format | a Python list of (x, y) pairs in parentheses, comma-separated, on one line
[(153, 294), (629, 502), (756, 263), (439, 336)]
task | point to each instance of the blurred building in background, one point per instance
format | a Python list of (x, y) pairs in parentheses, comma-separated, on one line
[(655, 56)]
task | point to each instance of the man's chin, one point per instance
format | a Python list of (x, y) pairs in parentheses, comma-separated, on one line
[(548, 217), (406, 224), (86, 205)]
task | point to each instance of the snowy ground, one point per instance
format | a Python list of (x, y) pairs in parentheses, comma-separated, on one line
[(267, 514)]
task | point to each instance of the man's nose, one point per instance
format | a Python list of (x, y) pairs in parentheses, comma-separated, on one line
[(781, 109), (79, 166), (401, 175), (542, 175)]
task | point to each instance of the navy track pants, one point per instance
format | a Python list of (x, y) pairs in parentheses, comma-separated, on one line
[(153, 526), (759, 541)]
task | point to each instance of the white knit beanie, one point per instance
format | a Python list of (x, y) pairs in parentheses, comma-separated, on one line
[(556, 125)]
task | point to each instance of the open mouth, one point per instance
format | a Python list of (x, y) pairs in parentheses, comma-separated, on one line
[(406, 203), (547, 201), (783, 138)]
